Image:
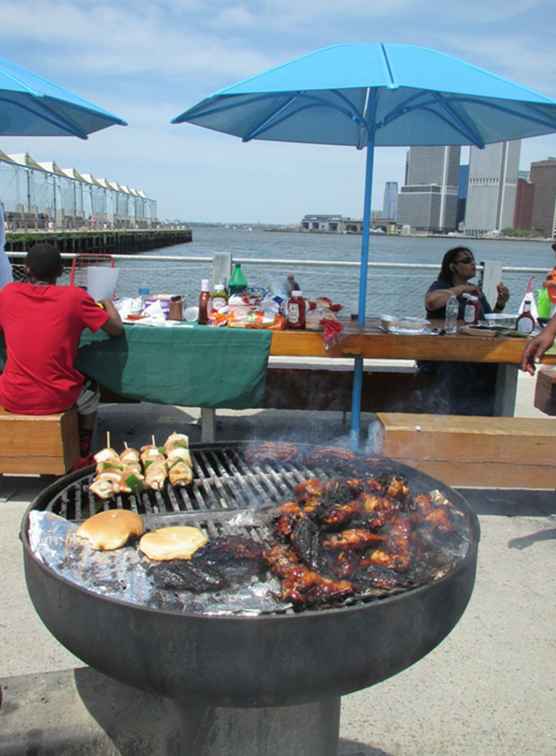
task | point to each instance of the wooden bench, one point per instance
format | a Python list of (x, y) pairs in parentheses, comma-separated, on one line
[(501, 452), (545, 390), (38, 444)]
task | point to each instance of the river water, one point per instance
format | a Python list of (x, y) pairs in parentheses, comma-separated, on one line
[(394, 291)]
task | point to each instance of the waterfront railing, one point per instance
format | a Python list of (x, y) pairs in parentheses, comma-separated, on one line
[(394, 287)]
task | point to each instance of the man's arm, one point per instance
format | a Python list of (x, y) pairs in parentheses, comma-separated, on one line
[(114, 325), (535, 348)]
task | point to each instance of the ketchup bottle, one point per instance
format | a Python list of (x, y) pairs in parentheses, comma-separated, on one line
[(204, 303), (295, 310)]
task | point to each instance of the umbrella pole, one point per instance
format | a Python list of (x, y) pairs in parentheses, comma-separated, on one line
[(363, 271)]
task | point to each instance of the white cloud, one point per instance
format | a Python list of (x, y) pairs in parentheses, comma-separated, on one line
[(119, 41)]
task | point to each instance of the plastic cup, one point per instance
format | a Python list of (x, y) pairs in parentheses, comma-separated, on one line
[(191, 314)]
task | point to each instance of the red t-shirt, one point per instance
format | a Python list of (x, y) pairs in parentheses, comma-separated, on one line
[(42, 325)]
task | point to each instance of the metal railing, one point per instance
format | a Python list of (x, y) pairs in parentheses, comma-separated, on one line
[(390, 291)]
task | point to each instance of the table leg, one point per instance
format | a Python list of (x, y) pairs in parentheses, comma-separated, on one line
[(506, 390), (208, 425)]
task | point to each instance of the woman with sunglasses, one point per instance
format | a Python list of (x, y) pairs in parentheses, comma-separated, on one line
[(459, 388), (458, 268)]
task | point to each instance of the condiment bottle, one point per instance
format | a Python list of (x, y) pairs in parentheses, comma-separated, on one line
[(204, 303), (176, 308), (295, 310), (526, 322), (218, 298), (471, 309)]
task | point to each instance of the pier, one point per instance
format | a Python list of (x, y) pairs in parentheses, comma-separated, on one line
[(120, 241)]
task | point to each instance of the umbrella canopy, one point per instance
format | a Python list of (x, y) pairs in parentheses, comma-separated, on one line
[(408, 95), (33, 106), (368, 95)]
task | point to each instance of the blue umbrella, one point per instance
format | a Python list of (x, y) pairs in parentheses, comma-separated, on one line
[(368, 95), (33, 106)]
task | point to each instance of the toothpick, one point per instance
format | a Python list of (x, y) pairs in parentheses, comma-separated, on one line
[(152, 437), (108, 439), (125, 444)]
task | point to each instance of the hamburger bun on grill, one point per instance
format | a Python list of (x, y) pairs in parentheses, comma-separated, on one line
[(109, 530), (179, 542)]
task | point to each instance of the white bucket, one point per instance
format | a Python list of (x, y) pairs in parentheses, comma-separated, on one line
[(101, 281)]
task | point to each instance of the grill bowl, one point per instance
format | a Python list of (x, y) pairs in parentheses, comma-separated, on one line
[(251, 661)]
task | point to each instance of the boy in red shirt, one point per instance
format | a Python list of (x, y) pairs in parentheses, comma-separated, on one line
[(42, 325)]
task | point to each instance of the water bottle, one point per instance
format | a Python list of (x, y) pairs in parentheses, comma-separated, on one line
[(143, 292), (452, 311)]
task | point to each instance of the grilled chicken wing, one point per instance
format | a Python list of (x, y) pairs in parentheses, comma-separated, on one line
[(355, 538), (301, 585)]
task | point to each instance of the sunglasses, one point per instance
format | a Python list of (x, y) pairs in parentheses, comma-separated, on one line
[(465, 260)]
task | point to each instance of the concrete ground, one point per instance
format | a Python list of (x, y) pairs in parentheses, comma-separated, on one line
[(489, 688)]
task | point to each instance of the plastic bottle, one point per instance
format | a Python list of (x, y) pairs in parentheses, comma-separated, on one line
[(471, 310), (543, 304), (144, 293), (295, 310), (218, 298), (452, 312), (204, 303), (238, 281), (526, 322)]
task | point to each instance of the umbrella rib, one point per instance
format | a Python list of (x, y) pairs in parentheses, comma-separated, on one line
[(365, 120), (269, 120), (449, 122), (466, 128), (505, 109), (400, 109), (405, 110), (53, 118), (314, 102), (233, 101)]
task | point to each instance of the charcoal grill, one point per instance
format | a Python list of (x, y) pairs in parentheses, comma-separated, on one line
[(218, 669)]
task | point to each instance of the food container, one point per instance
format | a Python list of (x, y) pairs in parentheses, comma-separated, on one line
[(408, 326), (500, 320), (175, 311)]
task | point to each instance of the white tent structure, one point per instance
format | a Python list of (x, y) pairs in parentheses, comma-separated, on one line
[(44, 195)]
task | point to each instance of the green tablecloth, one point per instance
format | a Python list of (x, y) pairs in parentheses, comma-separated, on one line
[(194, 366)]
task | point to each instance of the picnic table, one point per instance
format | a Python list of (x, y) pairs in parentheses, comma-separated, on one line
[(371, 342)]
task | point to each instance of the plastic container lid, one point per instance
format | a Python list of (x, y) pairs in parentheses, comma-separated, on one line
[(218, 287)]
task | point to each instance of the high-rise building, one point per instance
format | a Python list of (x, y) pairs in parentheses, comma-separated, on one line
[(428, 199), (543, 176), (463, 181), (523, 213), (390, 203), (493, 174)]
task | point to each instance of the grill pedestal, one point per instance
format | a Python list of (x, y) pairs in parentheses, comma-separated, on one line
[(276, 731), (76, 712)]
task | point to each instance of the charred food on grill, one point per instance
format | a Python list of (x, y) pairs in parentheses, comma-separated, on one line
[(351, 536), (271, 451)]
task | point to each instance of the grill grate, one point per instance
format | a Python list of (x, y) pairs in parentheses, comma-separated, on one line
[(223, 481)]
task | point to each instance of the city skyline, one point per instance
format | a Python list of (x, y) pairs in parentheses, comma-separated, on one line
[(149, 62)]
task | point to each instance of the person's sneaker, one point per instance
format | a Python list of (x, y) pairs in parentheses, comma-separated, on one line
[(83, 462)]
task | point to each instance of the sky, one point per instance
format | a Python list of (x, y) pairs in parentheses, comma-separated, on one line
[(149, 62)]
